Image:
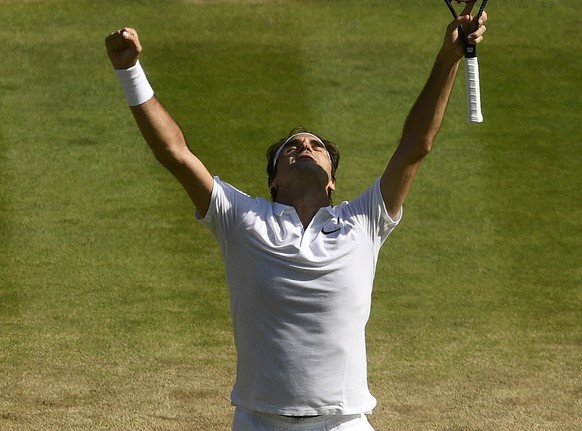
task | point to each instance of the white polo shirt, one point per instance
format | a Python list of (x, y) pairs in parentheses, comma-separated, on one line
[(300, 299)]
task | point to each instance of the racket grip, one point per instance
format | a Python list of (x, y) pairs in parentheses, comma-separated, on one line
[(473, 90)]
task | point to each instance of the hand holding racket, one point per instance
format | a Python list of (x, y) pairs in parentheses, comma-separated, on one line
[(474, 112)]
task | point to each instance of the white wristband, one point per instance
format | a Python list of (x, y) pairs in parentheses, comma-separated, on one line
[(135, 85)]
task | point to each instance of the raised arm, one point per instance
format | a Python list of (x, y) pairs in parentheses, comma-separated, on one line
[(425, 118), (158, 128)]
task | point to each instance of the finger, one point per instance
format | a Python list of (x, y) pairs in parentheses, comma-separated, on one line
[(477, 37), (464, 21), (477, 41), (115, 40), (131, 39), (481, 28), (122, 39)]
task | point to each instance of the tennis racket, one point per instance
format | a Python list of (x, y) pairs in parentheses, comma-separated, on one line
[(474, 112)]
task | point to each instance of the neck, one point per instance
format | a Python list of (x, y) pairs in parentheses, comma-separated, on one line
[(305, 201)]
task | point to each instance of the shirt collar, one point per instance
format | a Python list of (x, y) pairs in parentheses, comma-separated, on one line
[(280, 209)]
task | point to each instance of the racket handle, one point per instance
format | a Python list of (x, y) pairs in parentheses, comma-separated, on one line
[(473, 90)]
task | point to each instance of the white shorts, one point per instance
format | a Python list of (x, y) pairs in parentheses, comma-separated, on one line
[(246, 420)]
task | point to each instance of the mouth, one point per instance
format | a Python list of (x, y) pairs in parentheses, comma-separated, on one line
[(305, 156)]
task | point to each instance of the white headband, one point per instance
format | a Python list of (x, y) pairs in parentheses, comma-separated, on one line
[(278, 152)]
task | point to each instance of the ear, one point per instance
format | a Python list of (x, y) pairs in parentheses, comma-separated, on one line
[(331, 185)]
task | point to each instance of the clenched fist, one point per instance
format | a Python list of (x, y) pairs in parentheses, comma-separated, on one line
[(123, 48)]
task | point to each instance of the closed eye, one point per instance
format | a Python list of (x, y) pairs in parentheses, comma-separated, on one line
[(290, 148), (294, 145)]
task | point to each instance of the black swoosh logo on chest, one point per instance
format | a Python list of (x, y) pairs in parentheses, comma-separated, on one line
[(325, 232)]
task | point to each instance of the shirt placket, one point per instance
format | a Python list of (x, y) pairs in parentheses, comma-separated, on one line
[(314, 228)]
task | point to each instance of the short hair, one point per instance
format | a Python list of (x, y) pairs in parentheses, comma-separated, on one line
[(330, 146)]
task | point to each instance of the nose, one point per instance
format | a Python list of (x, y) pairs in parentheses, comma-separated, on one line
[(306, 143)]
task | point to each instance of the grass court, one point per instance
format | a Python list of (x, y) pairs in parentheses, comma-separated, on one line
[(113, 305)]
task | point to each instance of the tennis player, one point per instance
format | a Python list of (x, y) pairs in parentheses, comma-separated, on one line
[(299, 269)]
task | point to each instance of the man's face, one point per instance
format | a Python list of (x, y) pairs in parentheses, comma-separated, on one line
[(304, 154)]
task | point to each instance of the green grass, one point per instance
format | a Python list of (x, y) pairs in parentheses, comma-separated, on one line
[(113, 306)]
